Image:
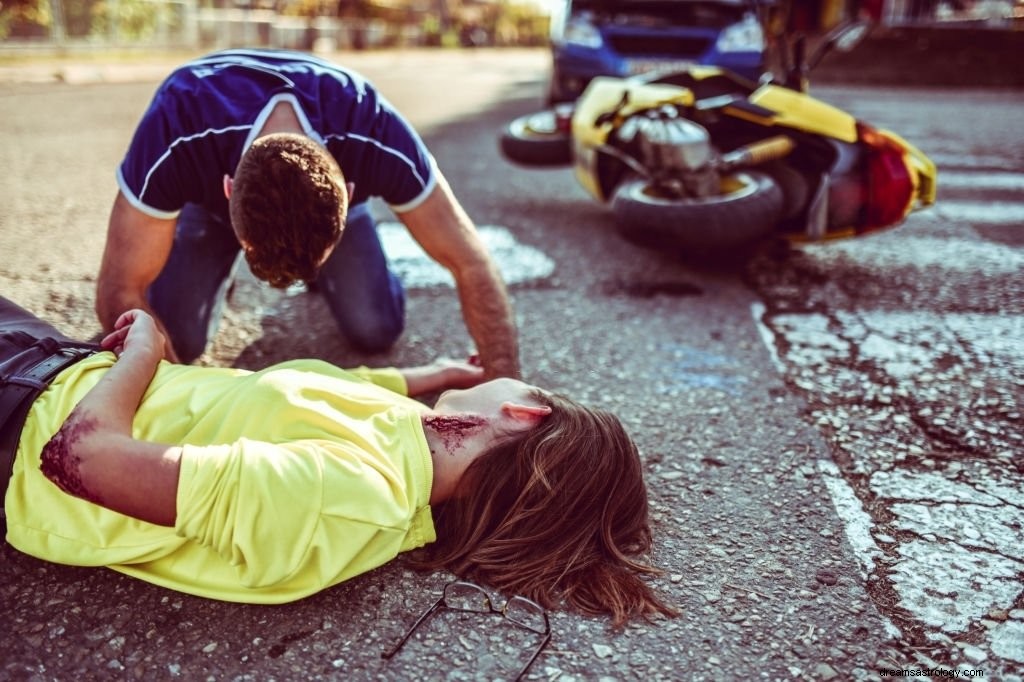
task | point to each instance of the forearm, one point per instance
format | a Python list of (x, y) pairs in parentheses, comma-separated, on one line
[(114, 400), (112, 301), (489, 319), (95, 457), (426, 379), (137, 250), (113, 470), (443, 373), (419, 380), (448, 235)]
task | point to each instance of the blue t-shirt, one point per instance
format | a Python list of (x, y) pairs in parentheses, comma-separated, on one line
[(207, 113)]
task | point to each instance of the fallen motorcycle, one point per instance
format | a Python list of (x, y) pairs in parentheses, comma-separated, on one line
[(703, 160)]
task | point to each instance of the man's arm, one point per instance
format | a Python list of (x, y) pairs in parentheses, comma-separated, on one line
[(447, 234), (137, 249)]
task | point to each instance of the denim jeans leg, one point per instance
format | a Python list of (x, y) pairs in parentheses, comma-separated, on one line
[(365, 297), (16, 321), (188, 295)]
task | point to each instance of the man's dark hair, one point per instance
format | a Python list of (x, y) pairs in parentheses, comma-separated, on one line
[(288, 205)]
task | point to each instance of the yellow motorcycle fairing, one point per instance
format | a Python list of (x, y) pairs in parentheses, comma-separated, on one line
[(922, 170), (604, 95), (798, 111)]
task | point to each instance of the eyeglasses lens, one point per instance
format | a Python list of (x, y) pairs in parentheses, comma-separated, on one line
[(467, 597), (528, 614)]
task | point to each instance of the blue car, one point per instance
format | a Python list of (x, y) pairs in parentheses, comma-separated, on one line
[(629, 37)]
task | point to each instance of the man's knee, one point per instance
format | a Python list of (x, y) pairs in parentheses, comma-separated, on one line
[(188, 337), (370, 316), (373, 334), (188, 348), (187, 327)]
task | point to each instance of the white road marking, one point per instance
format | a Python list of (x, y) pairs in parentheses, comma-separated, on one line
[(858, 523), (985, 212), (957, 159), (518, 262), (948, 587), (980, 180), (893, 249), (757, 311)]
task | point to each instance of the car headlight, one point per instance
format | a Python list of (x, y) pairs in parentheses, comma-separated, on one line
[(582, 33), (746, 36)]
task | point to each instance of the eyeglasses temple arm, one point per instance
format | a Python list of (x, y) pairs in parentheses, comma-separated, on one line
[(426, 614), (544, 643)]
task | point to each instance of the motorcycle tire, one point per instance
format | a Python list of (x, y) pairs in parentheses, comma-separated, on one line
[(535, 140), (747, 211), (796, 188)]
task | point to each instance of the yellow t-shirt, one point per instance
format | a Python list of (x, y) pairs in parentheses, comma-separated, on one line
[(293, 479)]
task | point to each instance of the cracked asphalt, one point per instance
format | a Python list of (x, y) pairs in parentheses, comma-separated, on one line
[(907, 348), (831, 434)]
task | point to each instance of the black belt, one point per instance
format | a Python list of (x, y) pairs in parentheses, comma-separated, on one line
[(22, 378)]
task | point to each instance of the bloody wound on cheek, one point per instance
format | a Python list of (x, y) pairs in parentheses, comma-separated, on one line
[(61, 464)]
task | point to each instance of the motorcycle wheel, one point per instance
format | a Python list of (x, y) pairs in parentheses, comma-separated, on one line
[(796, 190), (535, 140), (747, 210)]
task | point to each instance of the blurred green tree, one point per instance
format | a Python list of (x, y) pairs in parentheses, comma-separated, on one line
[(25, 18)]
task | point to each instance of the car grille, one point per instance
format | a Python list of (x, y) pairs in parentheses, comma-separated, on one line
[(651, 46)]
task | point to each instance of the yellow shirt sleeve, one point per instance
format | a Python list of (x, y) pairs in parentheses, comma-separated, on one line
[(385, 377)]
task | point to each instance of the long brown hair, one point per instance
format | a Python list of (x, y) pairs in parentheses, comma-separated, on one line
[(559, 513)]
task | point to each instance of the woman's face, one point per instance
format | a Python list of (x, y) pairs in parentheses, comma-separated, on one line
[(486, 398)]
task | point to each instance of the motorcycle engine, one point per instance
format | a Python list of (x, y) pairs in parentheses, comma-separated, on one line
[(675, 151)]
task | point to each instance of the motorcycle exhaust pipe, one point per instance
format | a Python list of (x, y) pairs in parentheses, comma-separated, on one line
[(758, 152)]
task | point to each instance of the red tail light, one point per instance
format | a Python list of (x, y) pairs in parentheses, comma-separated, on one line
[(888, 185)]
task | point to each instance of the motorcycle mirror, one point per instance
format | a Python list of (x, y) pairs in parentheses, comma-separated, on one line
[(852, 36), (844, 38)]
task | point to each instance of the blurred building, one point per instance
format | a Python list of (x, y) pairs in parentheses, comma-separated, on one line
[(303, 24), (363, 24)]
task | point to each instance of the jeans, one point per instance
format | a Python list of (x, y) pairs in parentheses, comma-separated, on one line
[(19, 329), (32, 354), (365, 298)]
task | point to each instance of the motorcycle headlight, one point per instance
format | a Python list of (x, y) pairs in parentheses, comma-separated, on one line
[(746, 36), (582, 33)]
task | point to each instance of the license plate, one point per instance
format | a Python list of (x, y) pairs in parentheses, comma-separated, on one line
[(638, 66)]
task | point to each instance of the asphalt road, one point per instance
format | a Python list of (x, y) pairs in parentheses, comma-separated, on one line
[(907, 348), (832, 436)]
